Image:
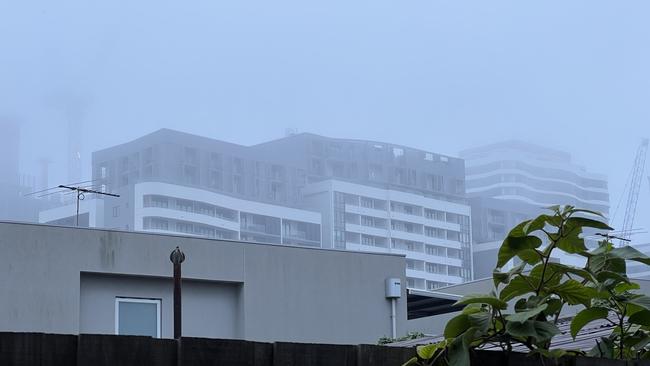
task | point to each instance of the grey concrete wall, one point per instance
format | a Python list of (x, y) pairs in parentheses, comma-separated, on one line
[(286, 293), (210, 309)]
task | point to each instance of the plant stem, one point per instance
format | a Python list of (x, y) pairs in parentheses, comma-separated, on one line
[(548, 257), (620, 340)]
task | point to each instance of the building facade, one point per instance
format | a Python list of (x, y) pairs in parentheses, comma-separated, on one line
[(433, 234), (75, 280), (175, 182), (532, 174), (513, 181)]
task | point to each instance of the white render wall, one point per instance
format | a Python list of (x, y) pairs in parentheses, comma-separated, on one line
[(93, 207), (387, 195), (194, 194), (533, 159)]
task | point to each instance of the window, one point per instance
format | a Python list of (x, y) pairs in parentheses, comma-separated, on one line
[(137, 317), (435, 182), (410, 264), (398, 152), (428, 156), (116, 211), (410, 282), (367, 202), (367, 221)]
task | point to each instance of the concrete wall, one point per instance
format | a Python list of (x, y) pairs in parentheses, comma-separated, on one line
[(275, 293), (216, 302)]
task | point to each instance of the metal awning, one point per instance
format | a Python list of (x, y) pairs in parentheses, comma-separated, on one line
[(421, 304)]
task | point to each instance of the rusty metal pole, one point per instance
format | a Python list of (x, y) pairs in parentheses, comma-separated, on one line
[(177, 257)]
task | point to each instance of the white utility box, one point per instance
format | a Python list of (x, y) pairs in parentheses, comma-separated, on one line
[(393, 288)]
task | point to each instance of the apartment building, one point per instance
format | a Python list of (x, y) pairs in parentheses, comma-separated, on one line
[(277, 192), (433, 234), (512, 181), (528, 173)]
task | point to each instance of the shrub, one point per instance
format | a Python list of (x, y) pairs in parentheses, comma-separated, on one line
[(542, 288)]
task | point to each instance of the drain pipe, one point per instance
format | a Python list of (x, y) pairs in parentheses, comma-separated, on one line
[(392, 318), (393, 292)]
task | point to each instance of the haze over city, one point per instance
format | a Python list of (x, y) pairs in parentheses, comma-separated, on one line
[(332, 183), (439, 76)]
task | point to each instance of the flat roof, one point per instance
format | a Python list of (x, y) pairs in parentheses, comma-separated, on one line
[(180, 235)]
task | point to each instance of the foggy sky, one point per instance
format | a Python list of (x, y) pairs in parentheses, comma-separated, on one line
[(436, 75)]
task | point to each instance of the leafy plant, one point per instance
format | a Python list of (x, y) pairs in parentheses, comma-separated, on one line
[(618, 303), (542, 288)]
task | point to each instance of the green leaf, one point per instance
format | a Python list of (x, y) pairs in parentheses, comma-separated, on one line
[(554, 306), (626, 287), (574, 292), (471, 309), (582, 210), (540, 330), (640, 300), (480, 321), (518, 230), (513, 245), (530, 256), (458, 351), (523, 330), (525, 315), (456, 326), (629, 253), (607, 262), (504, 277), (641, 318), (428, 351), (551, 278), (586, 316), (539, 223), (545, 331), (564, 269), (603, 349), (572, 242), (642, 342), (585, 222), (411, 362), (614, 278), (517, 287), (482, 299), (554, 208)]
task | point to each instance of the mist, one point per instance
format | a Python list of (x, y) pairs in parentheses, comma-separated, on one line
[(440, 76)]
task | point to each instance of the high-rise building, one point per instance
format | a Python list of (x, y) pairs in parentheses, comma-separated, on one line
[(539, 176), (303, 189), (512, 181)]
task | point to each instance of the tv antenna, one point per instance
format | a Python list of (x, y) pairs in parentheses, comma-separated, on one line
[(81, 195), (80, 188)]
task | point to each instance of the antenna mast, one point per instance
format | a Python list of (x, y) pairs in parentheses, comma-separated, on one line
[(80, 195)]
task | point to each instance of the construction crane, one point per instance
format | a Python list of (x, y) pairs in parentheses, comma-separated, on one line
[(633, 196)]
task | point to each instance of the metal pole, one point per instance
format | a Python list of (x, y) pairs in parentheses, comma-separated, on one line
[(177, 301), (78, 198), (393, 318), (177, 257)]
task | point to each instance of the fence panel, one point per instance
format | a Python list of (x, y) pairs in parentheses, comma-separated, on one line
[(207, 352), (111, 350), (306, 354), (37, 349), (371, 355)]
